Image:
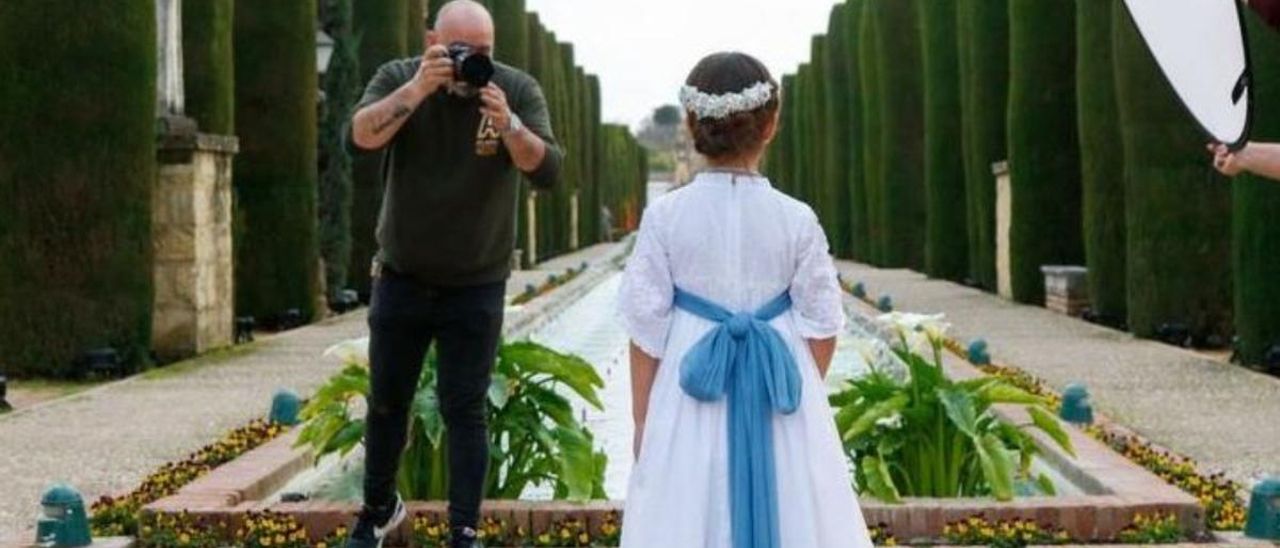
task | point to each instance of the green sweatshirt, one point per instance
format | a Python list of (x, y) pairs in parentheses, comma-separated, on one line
[(448, 213)]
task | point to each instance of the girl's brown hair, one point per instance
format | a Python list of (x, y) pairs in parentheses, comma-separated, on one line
[(740, 133)]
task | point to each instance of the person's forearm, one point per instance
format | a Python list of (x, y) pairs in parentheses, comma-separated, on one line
[(375, 125), (823, 350), (1262, 159), (526, 148), (644, 368)]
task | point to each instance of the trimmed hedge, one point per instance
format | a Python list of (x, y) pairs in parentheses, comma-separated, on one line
[(1178, 212), (275, 172), (983, 47), (77, 164), (208, 64), (823, 194), (859, 241), (415, 24), (902, 200), (1256, 234), (378, 28), (946, 244), (341, 90), (840, 129), (1044, 160), (872, 115), (1101, 160)]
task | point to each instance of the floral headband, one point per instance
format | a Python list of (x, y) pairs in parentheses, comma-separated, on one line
[(706, 105)]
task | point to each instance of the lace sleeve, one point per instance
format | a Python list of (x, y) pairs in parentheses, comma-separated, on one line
[(645, 297), (815, 290)]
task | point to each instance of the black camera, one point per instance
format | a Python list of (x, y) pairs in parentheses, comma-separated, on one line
[(470, 66)]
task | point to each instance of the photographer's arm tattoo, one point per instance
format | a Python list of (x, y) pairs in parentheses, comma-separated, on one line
[(400, 112)]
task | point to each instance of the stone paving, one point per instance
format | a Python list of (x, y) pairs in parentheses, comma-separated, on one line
[(106, 439), (1225, 416)]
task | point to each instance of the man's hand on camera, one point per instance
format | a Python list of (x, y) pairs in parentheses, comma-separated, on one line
[(436, 70), (495, 107)]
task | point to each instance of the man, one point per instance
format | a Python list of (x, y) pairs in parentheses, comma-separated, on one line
[(446, 233), (1257, 158)]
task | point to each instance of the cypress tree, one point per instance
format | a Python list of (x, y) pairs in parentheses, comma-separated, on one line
[(901, 134), (1256, 235), (342, 91), (783, 174), (415, 24), (836, 94), (208, 64), (946, 243), (856, 164), (1044, 159), (275, 172), (803, 135), (983, 49), (1178, 214), (873, 179), (824, 199), (378, 27), (77, 163), (1101, 160), (512, 28)]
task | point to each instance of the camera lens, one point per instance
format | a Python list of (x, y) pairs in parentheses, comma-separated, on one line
[(477, 70)]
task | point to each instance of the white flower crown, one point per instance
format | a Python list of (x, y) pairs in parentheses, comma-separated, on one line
[(706, 105)]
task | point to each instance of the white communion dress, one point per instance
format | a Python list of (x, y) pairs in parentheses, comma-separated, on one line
[(734, 240)]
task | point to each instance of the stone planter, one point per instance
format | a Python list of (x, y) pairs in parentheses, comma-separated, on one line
[(1066, 289)]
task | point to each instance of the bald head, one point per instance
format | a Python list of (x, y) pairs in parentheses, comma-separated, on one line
[(465, 21)]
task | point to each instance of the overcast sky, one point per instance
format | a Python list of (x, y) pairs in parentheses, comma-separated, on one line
[(643, 49)]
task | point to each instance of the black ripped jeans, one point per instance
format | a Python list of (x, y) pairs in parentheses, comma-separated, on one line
[(465, 323)]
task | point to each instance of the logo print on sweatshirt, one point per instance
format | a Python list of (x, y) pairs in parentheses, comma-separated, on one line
[(488, 138)]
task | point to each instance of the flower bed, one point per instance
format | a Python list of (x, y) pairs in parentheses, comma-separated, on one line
[(1218, 495), (532, 292), (116, 516)]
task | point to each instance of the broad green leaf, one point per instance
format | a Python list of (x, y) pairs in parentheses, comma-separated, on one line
[(867, 420), (1046, 485), (1003, 392), (997, 466), (426, 410), (1050, 425), (577, 463), (960, 409), (879, 481), (346, 438), (572, 371)]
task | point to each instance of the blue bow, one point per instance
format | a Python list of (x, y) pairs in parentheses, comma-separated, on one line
[(746, 360)]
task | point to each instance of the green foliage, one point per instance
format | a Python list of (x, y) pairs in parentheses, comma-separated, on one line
[(77, 163), (208, 64), (1044, 160), (859, 244), (275, 172), (535, 439), (871, 99), (1157, 528), (982, 28), (839, 128), (946, 243), (1256, 234), (415, 23), (1178, 211), (931, 436), (1101, 159), (377, 30), (341, 91), (901, 197)]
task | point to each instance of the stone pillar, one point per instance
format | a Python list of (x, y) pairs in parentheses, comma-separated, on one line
[(191, 235), (573, 221), (531, 217), (1004, 217), (170, 98)]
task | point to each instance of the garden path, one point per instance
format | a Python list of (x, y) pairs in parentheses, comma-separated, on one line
[(1225, 416), (106, 439)]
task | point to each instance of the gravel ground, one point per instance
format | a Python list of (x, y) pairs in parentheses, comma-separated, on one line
[(1225, 416)]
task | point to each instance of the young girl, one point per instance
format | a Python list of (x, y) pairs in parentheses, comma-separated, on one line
[(732, 305)]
